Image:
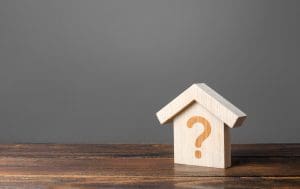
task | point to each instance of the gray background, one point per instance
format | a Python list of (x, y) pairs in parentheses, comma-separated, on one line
[(97, 71)]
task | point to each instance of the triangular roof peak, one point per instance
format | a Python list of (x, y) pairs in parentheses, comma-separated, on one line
[(206, 97)]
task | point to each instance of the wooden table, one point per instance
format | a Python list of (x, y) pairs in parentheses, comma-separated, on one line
[(57, 166)]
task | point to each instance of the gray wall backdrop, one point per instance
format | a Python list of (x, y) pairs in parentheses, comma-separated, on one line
[(84, 71)]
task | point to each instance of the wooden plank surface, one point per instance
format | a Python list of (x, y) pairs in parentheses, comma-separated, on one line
[(143, 166)]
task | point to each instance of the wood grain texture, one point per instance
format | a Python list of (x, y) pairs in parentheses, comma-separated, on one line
[(143, 166)]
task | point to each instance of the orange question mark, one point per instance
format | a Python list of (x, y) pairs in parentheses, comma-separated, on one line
[(203, 135)]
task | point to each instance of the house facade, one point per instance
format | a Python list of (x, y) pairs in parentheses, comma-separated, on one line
[(202, 120)]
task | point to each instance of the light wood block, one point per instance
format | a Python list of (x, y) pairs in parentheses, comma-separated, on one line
[(202, 120), (212, 149)]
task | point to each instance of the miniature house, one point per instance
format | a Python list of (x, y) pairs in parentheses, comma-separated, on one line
[(202, 120)]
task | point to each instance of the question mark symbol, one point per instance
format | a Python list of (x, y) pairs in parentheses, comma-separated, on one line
[(203, 135)]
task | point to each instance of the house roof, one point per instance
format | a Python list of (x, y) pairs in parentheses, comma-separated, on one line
[(206, 97)]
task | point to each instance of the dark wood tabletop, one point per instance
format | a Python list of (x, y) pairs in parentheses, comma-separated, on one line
[(68, 166)]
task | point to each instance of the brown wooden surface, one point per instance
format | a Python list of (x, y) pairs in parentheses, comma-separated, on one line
[(143, 166)]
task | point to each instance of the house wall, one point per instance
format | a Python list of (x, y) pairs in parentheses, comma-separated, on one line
[(213, 148), (87, 71)]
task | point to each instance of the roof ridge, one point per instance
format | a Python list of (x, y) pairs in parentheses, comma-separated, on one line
[(209, 99)]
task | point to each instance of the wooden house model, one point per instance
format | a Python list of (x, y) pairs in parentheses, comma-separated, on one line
[(202, 120)]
